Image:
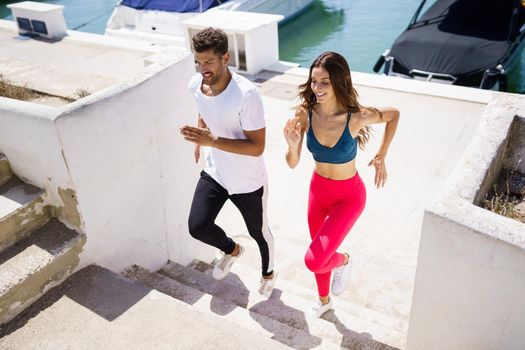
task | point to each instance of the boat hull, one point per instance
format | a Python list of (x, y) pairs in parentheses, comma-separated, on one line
[(165, 28)]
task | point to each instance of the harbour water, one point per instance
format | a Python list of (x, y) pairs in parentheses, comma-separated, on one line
[(361, 30)]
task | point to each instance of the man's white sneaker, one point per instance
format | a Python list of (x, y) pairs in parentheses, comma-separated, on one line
[(319, 308), (266, 284), (223, 266), (341, 277)]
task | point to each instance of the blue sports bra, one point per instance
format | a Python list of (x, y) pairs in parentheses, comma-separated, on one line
[(344, 150)]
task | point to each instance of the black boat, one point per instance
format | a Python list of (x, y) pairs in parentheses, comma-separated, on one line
[(462, 42)]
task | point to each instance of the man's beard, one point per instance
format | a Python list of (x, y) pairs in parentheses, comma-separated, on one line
[(212, 79)]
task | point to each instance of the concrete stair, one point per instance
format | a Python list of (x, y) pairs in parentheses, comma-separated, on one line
[(99, 309), (37, 251), (35, 264), (211, 305), (21, 211), (282, 317), (294, 278), (364, 322), (387, 329)]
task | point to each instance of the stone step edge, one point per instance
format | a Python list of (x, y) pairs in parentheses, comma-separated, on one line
[(362, 311), (380, 319), (324, 328), (36, 266), (43, 214), (39, 271), (239, 315), (298, 291)]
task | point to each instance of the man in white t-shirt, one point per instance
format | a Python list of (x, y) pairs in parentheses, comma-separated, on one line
[(232, 129)]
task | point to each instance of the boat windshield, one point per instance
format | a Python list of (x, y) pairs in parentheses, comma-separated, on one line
[(487, 19)]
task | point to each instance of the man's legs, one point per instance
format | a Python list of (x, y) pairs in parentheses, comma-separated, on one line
[(253, 209), (208, 200)]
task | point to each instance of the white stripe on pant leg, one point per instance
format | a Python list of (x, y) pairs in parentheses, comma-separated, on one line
[(267, 234)]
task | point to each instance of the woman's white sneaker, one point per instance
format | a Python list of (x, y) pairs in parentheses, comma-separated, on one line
[(319, 308), (341, 277)]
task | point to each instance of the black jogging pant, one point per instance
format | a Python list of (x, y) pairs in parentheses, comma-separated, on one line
[(208, 200)]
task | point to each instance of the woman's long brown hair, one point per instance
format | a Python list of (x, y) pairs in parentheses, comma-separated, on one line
[(341, 80)]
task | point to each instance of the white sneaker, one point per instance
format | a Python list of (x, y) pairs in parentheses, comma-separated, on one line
[(319, 308), (266, 284), (223, 266), (341, 277)]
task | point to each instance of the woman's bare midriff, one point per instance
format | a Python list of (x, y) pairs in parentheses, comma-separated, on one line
[(336, 171)]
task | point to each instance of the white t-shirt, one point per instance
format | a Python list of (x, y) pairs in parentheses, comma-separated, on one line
[(239, 107)]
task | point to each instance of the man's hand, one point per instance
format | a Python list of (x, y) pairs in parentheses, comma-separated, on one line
[(197, 153), (199, 136)]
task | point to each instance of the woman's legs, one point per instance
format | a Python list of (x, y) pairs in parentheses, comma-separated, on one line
[(330, 219), (322, 257), (317, 214)]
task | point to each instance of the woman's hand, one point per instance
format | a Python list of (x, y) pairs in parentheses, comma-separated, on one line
[(292, 132), (379, 163)]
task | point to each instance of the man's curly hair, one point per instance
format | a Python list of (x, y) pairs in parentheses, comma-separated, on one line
[(211, 38)]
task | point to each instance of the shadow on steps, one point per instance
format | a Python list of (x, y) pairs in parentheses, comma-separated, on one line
[(276, 309), (100, 290), (232, 292)]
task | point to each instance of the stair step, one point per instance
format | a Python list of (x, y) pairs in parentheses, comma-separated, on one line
[(5, 169), (21, 211), (300, 282), (35, 264), (98, 309), (204, 303), (347, 307), (236, 294), (283, 307), (383, 328)]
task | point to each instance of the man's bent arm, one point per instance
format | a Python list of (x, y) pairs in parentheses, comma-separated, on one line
[(253, 145)]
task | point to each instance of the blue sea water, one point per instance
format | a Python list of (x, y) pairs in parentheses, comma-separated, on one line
[(360, 30)]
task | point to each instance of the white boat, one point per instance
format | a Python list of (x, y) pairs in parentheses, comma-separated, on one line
[(160, 21)]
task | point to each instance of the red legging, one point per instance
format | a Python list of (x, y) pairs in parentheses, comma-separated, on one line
[(333, 208)]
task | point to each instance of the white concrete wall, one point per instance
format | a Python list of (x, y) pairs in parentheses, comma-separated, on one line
[(470, 277), (469, 290), (29, 140), (120, 150), (133, 172), (179, 171)]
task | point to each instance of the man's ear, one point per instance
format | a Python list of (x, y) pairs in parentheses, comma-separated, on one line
[(226, 58)]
